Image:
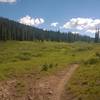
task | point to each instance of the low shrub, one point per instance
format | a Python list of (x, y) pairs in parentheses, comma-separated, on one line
[(91, 61), (50, 65), (45, 67), (24, 56), (97, 54)]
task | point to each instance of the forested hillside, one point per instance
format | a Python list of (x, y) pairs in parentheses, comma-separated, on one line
[(11, 30)]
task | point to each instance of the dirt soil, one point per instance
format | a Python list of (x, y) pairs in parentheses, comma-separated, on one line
[(30, 88)]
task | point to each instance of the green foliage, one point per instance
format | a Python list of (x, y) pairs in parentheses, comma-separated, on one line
[(92, 61), (19, 58), (24, 56), (50, 65), (11, 30), (85, 83), (97, 54), (45, 67), (83, 48), (97, 36)]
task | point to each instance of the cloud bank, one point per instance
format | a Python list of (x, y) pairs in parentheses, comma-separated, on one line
[(54, 24), (7, 1), (84, 24), (27, 20)]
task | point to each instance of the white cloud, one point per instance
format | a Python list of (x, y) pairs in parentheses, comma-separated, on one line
[(27, 20), (91, 31), (75, 32), (7, 1), (54, 24), (44, 29), (85, 24)]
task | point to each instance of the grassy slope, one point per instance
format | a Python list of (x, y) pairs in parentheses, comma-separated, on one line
[(21, 58), (85, 83), (25, 57)]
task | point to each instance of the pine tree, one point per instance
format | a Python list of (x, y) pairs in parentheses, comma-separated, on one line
[(97, 36)]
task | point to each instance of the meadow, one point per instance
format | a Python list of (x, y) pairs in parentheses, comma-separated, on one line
[(19, 58)]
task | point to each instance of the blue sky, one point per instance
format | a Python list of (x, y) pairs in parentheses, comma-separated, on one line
[(56, 14)]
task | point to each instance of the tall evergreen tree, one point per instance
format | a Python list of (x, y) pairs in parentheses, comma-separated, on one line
[(11, 30), (97, 36)]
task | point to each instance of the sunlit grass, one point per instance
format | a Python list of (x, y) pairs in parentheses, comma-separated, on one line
[(85, 83), (22, 58), (19, 57)]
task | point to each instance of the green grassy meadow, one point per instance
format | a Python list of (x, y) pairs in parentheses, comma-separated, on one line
[(23, 57), (18, 58)]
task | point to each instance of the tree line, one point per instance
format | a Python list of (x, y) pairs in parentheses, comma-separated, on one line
[(12, 30)]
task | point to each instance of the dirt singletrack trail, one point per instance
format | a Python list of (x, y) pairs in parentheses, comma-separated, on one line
[(45, 88), (60, 87)]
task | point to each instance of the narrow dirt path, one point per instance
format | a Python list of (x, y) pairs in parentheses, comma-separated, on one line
[(60, 87), (46, 88)]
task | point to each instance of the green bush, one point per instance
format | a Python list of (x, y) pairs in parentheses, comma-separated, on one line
[(91, 61), (45, 67), (50, 65), (97, 54), (24, 56)]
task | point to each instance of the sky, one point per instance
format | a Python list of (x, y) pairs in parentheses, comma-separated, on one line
[(78, 16)]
